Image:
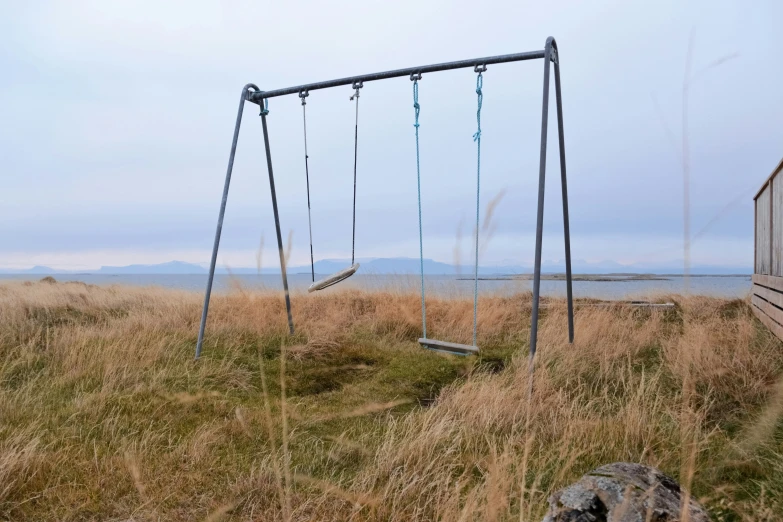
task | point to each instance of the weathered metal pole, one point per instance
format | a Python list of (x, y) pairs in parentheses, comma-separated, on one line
[(277, 222), (564, 184), (213, 262), (540, 213)]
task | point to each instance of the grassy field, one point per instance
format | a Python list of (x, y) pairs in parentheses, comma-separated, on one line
[(104, 415)]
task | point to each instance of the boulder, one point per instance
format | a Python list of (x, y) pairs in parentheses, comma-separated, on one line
[(622, 492)]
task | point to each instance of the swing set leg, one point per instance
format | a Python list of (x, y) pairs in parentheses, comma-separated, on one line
[(551, 54), (277, 226), (564, 186), (221, 214)]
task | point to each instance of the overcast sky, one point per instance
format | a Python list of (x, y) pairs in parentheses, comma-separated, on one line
[(117, 120)]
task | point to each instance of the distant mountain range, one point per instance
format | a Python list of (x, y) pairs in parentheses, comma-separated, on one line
[(402, 265)]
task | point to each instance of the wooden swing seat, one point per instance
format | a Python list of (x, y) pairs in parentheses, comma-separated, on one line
[(334, 278), (451, 348)]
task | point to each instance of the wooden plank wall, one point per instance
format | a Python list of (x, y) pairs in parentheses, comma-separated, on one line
[(763, 247), (767, 297), (776, 226), (767, 301)]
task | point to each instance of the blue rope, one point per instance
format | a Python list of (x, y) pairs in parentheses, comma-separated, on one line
[(265, 109), (477, 139), (417, 109)]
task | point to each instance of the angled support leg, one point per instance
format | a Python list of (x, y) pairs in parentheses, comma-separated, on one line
[(245, 91), (277, 220), (564, 185), (550, 54), (540, 213)]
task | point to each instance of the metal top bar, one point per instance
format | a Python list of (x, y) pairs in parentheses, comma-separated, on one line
[(257, 97)]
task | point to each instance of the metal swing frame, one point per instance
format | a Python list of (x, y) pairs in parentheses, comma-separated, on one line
[(251, 93)]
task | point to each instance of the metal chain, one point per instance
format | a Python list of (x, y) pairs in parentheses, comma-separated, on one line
[(356, 87), (477, 139), (417, 109), (303, 95)]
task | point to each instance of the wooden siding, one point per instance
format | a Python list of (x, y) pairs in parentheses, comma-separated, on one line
[(773, 282), (776, 230), (767, 293), (763, 250), (767, 301)]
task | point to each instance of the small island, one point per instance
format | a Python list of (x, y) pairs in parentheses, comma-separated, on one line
[(574, 277)]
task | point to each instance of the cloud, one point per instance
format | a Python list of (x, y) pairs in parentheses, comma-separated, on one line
[(118, 119)]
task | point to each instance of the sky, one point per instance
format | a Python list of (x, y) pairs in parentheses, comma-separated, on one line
[(117, 120)]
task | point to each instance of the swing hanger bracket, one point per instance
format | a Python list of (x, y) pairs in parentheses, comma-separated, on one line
[(356, 86), (480, 68), (415, 76), (304, 93)]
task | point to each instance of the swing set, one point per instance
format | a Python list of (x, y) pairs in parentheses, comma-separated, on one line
[(251, 93)]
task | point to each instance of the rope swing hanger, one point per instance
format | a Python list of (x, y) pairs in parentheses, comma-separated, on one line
[(337, 277), (432, 344), (302, 95)]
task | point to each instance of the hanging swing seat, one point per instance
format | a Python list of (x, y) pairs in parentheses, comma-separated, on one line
[(451, 348), (334, 278), (432, 344)]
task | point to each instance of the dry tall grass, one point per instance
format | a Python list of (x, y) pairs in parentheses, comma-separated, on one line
[(104, 414)]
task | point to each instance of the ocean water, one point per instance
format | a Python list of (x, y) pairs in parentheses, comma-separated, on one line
[(435, 285)]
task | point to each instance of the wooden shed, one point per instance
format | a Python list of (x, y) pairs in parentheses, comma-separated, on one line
[(767, 298)]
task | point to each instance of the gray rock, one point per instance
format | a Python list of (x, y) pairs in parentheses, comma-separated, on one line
[(622, 492)]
